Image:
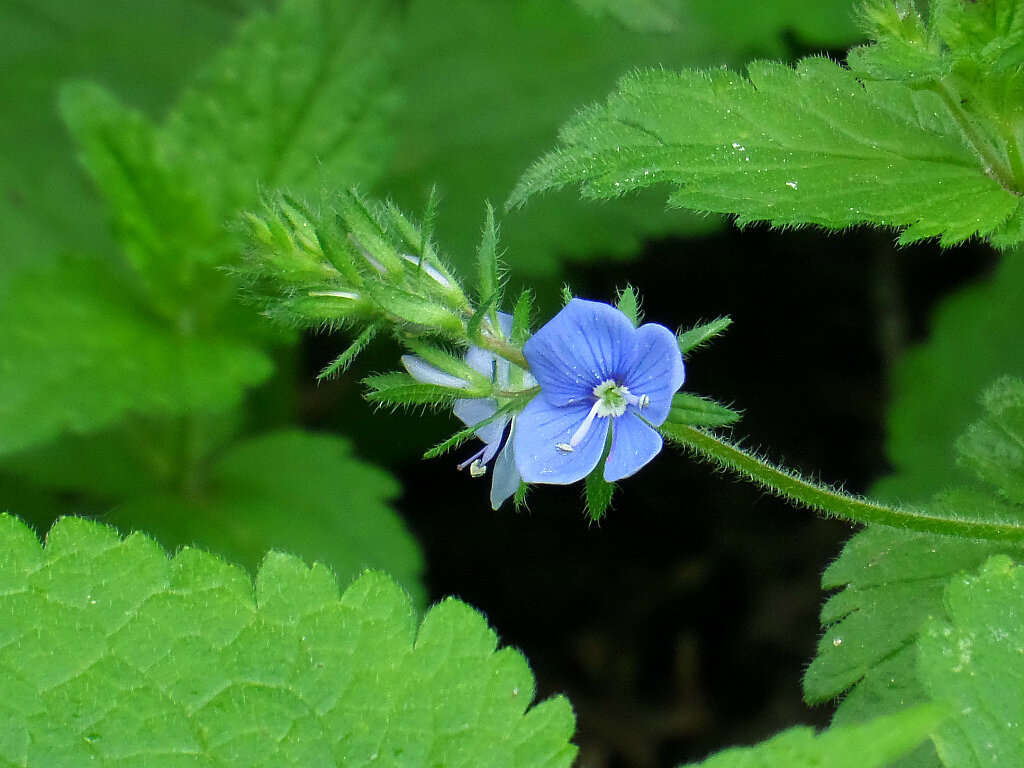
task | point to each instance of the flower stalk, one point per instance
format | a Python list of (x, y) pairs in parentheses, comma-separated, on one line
[(791, 486)]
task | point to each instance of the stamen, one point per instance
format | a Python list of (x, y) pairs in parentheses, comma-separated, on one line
[(474, 461), (477, 469), (640, 401), (581, 432)]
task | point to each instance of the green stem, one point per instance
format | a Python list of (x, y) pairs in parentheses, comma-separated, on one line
[(789, 485), (503, 348)]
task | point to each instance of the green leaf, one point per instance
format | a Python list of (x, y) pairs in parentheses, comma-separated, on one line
[(301, 492), (697, 411), (993, 448), (872, 745), (486, 85), (976, 28), (700, 335), (299, 99), (80, 354), (344, 360), (891, 582), (810, 145), (934, 387), (487, 259), (973, 657), (136, 658), (641, 15), (162, 223)]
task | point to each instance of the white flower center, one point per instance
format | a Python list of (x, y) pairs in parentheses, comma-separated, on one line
[(611, 400)]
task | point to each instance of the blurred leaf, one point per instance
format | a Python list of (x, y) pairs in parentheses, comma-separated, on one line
[(762, 28), (77, 353), (641, 15), (299, 492), (973, 341), (993, 447), (485, 86), (298, 99), (974, 658), (872, 745), (810, 145), (115, 654), (140, 50), (162, 222)]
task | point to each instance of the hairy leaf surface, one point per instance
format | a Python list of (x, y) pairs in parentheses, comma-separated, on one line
[(973, 657), (113, 654), (810, 145)]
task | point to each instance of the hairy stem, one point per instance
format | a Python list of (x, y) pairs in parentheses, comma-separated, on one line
[(789, 485)]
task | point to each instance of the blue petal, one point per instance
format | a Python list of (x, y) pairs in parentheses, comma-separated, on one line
[(633, 445), (656, 370), (506, 477), (583, 345), (473, 411), (541, 427), (423, 371)]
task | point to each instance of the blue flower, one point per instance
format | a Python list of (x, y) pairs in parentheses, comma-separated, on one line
[(597, 372), (497, 435)]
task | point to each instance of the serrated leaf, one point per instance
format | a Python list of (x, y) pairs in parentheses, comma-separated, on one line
[(891, 582), (973, 657), (872, 745), (628, 303), (934, 387), (473, 118), (299, 99), (163, 224), (77, 353), (300, 492), (136, 658), (810, 145)]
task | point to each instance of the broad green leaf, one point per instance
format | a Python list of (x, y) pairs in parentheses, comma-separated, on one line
[(891, 583), (973, 341), (78, 353), (298, 99), (113, 654), (973, 658), (810, 145), (300, 492), (872, 745), (485, 85), (163, 224), (141, 51)]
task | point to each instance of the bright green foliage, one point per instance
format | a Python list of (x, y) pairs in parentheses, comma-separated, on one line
[(300, 492), (80, 352), (114, 655), (872, 745), (893, 580), (935, 386), (789, 146), (974, 659), (141, 50), (298, 100), (699, 335)]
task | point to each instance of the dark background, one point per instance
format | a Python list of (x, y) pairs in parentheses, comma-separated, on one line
[(682, 622)]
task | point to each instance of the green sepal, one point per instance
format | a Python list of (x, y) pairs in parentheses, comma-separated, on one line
[(697, 411), (485, 310), (367, 231), (520, 496), (481, 385), (521, 318), (403, 389), (409, 308), (597, 491), (566, 294), (700, 335), (628, 303), (487, 262), (344, 360)]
